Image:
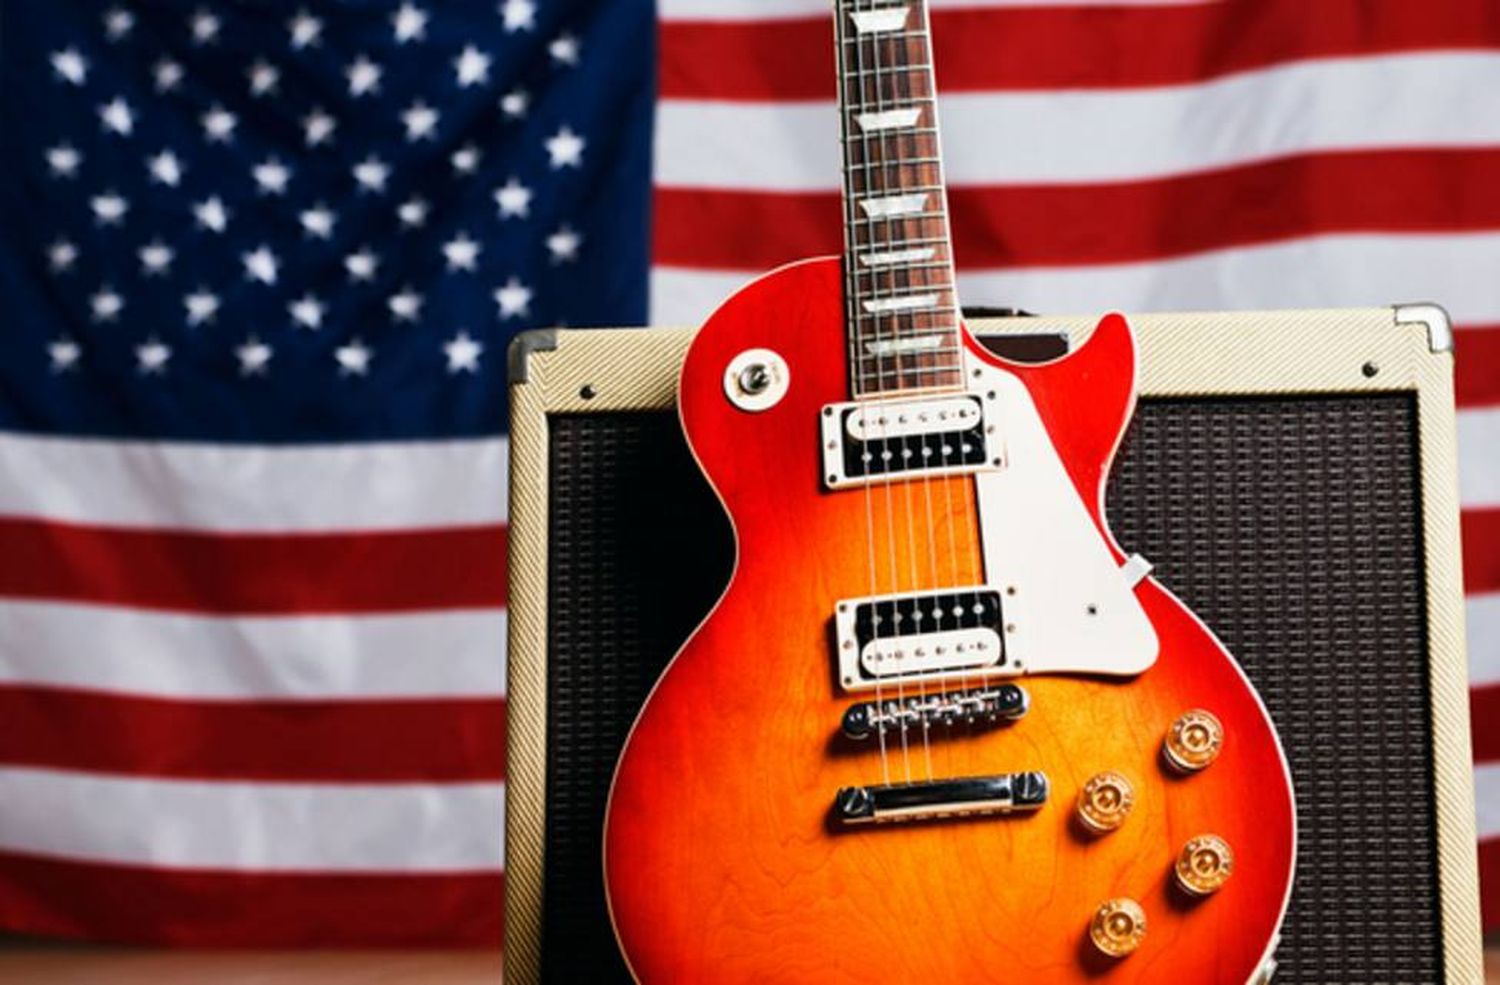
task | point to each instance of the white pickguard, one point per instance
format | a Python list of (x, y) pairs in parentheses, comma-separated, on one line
[(1073, 609)]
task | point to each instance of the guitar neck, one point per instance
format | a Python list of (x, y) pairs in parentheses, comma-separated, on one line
[(901, 308)]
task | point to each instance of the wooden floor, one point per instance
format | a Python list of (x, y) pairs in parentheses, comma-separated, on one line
[(67, 967)]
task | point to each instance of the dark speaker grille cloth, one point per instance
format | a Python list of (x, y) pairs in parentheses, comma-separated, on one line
[(1290, 525)]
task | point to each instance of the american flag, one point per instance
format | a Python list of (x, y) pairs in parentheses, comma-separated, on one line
[(260, 262)]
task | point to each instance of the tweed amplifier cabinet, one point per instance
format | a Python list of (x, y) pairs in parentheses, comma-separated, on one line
[(1290, 474)]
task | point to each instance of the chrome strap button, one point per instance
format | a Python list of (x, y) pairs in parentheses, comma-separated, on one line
[(1193, 742), (1105, 801), (1204, 865), (1118, 927)]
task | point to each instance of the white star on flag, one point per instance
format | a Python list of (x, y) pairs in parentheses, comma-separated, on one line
[(461, 252), (353, 359), (318, 127), (513, 199), (254, 356), (69, 64), (264, 78), (202, 305), (165, 168), (115, 116), (61, 255), (565, 148), (261, 264), (152, 355), (412, 212), (318, 221), (361, 264), (306, 30), (563, 245), (155, 257), (513, 104), (109, 209), (410, 23), (106, 304), (364, 76), (420, 121), (519, 15), (167, 75), (514, 298), (271, 176), (205, 27), (211, 214), (117, 23), (64, 354), (472, 67), (63, 160), (564, 49), (218, 125), (405, 305), (307, 311), (463, 353), (466, 159), (371, 173)]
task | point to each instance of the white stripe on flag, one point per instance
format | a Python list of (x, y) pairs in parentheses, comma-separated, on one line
[(396, 485), (1483, 615), (1487, 794), (1455, 270), (102, 648), (762, 10), (1109, 135), (1479, 456), (253, 826)]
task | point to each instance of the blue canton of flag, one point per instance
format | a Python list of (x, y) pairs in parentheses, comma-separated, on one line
[(268, 222)]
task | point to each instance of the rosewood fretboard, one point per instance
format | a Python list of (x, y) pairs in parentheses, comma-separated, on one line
[(901, 308)]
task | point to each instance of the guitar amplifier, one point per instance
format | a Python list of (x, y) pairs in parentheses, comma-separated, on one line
[(1290, 474)]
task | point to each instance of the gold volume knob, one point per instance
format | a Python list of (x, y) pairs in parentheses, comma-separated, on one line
[(1118, 927), (1204, 865), (1105, 801), (1193, 741)]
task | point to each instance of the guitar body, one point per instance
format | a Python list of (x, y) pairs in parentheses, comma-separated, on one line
[(722, 861)]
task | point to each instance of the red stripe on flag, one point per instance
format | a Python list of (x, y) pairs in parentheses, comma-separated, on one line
[(366, 741), (1069, 47), (1477, 367), (140, 905), (1489, 882), (367, 571), (1481, 545), (1397, 191), (1484, 717)]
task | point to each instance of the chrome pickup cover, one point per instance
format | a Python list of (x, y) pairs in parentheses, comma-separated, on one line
[(879, 439), (1005, 793), (928, 636)]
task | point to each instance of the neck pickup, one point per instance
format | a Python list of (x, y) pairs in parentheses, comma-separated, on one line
[(867, 441)]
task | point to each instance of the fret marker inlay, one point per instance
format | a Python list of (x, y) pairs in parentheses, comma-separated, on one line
[(910, 302), (915, 343), (893, 205), (889, 120), (874, 21), (892, 257)]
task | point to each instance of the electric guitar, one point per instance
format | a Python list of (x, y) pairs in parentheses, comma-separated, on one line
[(940, 727)]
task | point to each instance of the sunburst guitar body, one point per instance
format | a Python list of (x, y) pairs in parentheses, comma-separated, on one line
[(729, 856)]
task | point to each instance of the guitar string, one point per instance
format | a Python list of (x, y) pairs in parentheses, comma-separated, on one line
[(852, 301)]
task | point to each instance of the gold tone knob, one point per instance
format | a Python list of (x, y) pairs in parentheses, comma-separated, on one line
[(1118, 927), (1193, 741), (1205, 865), (1105, 801)]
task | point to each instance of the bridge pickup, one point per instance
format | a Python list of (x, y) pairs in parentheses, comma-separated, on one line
[(976, 707), (868, 440), (927, 636), (1005, 793)]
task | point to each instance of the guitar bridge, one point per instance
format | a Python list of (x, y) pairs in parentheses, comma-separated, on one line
[(1005, 793)]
